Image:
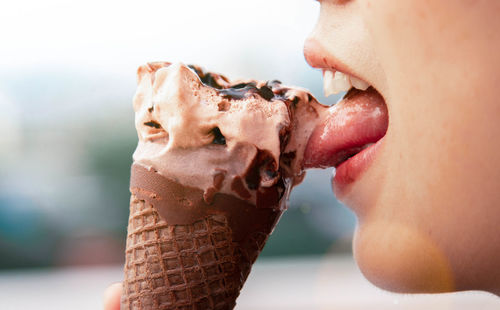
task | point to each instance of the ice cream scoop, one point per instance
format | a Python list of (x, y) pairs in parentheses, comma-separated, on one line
[(190, 131)]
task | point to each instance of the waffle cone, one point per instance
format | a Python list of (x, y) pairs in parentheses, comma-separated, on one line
[(201, 264)]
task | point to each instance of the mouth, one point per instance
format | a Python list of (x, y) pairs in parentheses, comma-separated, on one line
[(353, 130)]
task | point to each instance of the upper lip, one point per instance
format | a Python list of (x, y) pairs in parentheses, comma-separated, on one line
[(318, 57)]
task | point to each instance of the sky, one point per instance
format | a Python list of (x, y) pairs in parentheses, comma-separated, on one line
[(117, 36)]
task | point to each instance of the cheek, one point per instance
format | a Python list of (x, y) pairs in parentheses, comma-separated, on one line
[(401, 259), (439, 173)]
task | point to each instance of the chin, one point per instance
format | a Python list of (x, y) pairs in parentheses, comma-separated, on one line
[(399, 258)]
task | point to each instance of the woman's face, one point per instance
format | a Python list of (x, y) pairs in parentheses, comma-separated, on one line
[(428, 204)]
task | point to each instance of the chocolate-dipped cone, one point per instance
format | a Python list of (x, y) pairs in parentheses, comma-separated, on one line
[(184, 253)]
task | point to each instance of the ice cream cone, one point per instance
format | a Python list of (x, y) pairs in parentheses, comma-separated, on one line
[(199, 264), (212, 173)]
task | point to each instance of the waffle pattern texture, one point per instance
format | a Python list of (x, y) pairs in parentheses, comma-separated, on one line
[(196, 266)]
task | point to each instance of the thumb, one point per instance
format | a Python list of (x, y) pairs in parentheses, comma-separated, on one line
[(112, 297)]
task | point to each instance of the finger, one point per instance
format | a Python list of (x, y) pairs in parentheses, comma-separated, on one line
[(112, 297)]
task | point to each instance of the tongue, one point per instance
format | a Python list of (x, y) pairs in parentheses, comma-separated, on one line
[(360, 118)]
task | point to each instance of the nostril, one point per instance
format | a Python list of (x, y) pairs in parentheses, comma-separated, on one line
[(218, 137)]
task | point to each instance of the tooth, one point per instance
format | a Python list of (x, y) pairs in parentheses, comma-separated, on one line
[(342, 82), (359, 84), (334, 83), (328, 82)]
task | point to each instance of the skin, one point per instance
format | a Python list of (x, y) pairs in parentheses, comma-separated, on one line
[(428, 206), (112, 297)]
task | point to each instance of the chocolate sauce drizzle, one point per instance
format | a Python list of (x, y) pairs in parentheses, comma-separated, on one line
[(210, 79), (244, 90), (218, 137), (153, 124), (273, 90)]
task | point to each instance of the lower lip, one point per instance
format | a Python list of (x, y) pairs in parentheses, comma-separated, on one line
[(351, 170)]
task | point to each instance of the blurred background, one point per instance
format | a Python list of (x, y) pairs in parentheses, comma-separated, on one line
[(67, 78)]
